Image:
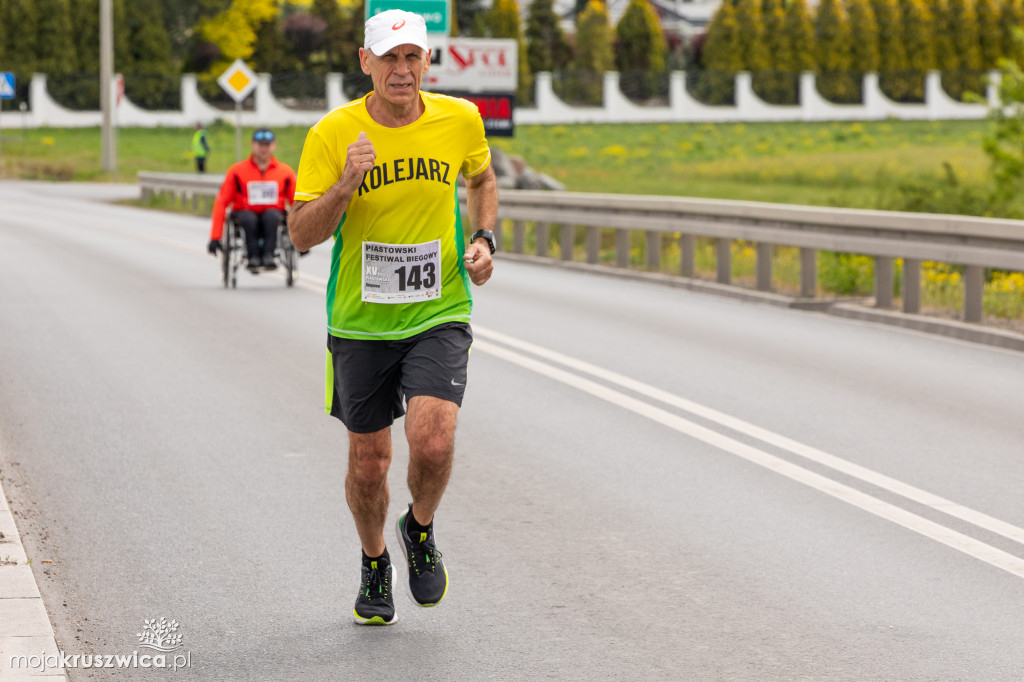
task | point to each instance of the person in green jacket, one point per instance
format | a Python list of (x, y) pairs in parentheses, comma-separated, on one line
[(200, 148)]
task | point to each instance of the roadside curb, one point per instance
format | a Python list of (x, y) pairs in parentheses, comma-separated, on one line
[(847, 309), (952, 328), (25, 628)]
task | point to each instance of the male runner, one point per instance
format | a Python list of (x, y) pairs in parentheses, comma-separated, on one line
[(379, 174)]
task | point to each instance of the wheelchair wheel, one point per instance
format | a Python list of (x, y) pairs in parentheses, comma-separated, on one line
[(288, 255), (225, 255), (289, 265), (237, 241)]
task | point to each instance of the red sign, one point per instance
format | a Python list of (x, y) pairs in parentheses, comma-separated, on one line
[(495, 109)]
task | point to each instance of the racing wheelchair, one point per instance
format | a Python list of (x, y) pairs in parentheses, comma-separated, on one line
[(233, 255)]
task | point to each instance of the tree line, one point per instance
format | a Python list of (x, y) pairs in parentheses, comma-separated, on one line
[(841, 40), (155, 41)]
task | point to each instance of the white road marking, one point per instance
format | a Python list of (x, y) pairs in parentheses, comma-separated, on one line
[(882, 481), (935, 531)]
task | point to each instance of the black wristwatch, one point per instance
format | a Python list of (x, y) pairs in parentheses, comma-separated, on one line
[(486, 234)]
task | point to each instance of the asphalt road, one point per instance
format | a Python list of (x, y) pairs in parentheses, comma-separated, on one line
[(649, 483)]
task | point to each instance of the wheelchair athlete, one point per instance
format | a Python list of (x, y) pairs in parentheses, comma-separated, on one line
[(258, 191)]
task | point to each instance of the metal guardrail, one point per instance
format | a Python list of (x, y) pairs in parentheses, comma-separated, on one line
[(975, 243)]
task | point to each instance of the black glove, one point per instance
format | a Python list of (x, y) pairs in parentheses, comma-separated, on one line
[(214, 246)]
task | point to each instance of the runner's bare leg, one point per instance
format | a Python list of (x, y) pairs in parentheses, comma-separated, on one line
[(366, 486), (430, 429)]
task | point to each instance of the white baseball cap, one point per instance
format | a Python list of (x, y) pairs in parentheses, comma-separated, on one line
[(395, 27)]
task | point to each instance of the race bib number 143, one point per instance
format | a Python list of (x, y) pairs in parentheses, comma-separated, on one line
[(401, 273)]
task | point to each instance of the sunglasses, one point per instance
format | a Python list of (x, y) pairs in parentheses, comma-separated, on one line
[(263, 136)]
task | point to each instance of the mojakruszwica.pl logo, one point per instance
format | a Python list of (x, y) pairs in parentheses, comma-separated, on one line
[(159, 636)]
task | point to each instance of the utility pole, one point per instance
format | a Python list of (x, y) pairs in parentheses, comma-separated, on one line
[(106, 82)]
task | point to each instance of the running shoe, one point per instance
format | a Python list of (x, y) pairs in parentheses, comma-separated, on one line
[(375, 603), (428, 577)]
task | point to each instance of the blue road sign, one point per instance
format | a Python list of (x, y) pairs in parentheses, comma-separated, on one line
[(6, 85)]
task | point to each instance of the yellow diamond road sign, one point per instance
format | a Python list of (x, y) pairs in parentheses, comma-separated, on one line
[(238, 81)]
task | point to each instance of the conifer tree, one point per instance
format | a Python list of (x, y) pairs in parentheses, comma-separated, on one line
[(832, 40), (800, 36), (751, 30), (962, 72), (642, 48), (148, 61), (893, 67), (948, 13), (546, 46), (1012, 19), (21, 18), (593, 54), (722, 56), (919, 41), (865, 53), (779, 84), (85, 17), (990, 33), (469, 18), (3, 36), (334, 37), (19, 48), (55, 53), (503, 22)]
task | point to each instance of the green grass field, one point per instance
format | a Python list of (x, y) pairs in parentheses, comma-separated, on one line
[(835, 164)]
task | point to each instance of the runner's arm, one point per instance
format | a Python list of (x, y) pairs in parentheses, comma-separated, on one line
[(313, 222), (482, 197)]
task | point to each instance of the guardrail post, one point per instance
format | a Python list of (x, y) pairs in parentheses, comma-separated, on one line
[(974, 292), (911, 285), (723, 261), (764, 267), (653, 249), (519, 236), (543, 232), (568, 240), (808, 273), (883, 282), (147, 193), (687, 254), (593, 244), (622, 248)]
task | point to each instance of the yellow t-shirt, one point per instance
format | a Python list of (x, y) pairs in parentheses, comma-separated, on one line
[(396, 266)]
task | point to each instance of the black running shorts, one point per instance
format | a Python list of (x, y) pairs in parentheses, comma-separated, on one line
[(368, 380)]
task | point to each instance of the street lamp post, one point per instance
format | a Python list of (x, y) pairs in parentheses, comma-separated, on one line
[(106, 81)]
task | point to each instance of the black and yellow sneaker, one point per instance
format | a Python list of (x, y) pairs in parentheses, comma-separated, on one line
[(375, 603), (428, 578)]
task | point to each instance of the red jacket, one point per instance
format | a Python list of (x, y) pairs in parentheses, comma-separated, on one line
[(247, 188)]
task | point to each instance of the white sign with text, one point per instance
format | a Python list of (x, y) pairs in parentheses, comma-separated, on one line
[(473, 65)]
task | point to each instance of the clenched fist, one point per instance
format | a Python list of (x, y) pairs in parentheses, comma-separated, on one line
[(358, 161)]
